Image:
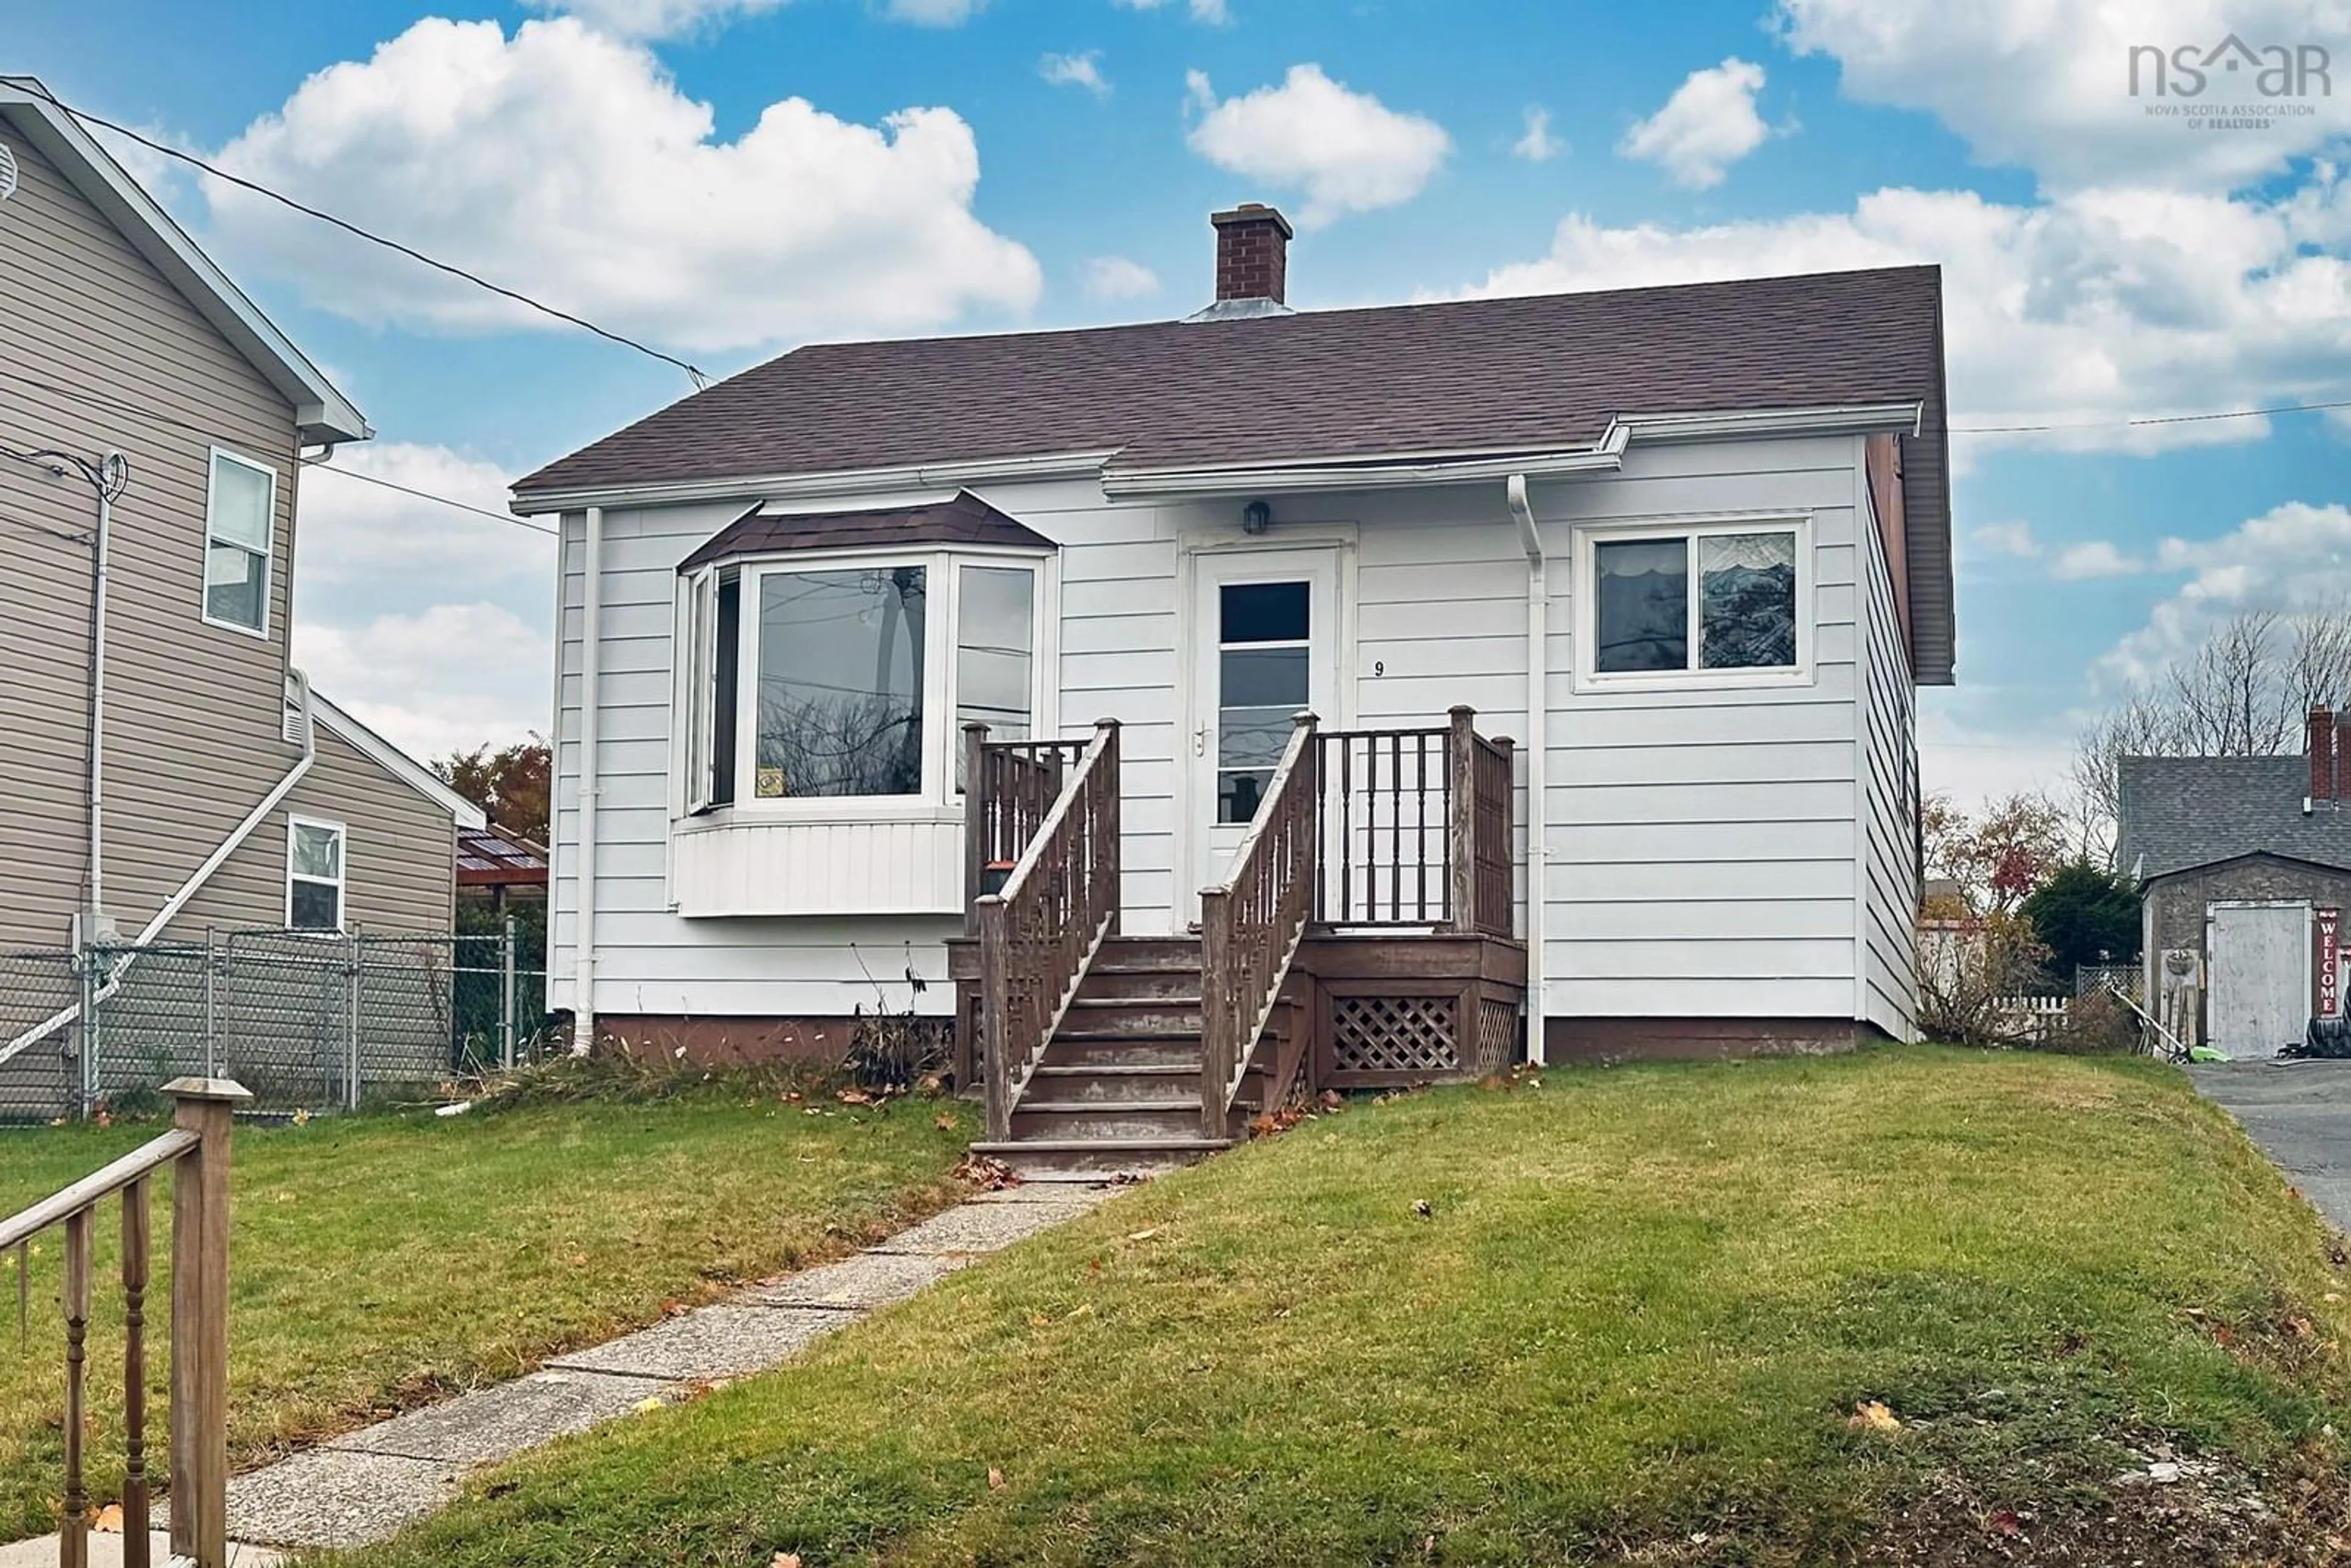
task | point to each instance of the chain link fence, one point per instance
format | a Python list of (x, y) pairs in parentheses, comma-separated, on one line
[(305, 1020)]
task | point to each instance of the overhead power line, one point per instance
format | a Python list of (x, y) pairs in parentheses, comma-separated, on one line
[(120, 405), (168, 151), (429, 496), (2158, 419)]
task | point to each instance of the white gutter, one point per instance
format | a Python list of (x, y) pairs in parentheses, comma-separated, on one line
[(584, 871), (1607, 456), (949, 476), (1538, 755), (195, 883)]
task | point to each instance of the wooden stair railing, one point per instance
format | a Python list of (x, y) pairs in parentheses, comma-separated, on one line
[(1417, 830), (1039, 933), (196, 1151), (1251, 924)]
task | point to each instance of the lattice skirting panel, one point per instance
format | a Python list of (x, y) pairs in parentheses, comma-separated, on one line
[(1390, 1032)]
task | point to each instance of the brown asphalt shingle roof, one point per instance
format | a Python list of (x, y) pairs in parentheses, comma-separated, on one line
[(1537, 372), (964, 519)]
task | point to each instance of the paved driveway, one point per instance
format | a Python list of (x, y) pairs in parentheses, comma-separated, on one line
[(2300, 1114)]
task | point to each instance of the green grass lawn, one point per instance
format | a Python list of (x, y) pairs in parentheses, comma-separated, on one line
[(382, 1260), (1635, 1325)]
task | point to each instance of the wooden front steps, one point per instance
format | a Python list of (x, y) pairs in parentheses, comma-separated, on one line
[(1119, 1088)]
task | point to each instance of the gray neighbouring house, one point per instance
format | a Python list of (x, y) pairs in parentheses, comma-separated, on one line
[(2244, 865), (1267, 699), (168, 768)]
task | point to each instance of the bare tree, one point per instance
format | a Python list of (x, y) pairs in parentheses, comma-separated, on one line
[(2242, 693)]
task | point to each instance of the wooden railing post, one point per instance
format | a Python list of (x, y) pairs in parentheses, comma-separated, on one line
[(135, 1250), (1216, 1025), (73, 1540), (205, 1106), (995, 1013), (975, 821), (1461, 820), (1508, 904)]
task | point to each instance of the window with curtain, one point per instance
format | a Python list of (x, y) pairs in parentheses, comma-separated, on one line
[(1721, 600)]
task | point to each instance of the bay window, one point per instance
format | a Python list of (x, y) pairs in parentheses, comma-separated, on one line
[(815, 682), (1723, 601)]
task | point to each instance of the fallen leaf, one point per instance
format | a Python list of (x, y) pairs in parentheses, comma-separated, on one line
[(995, 1478), (1332, 1100), (785, 1560), (943, 1121), (109, 1520), (648, 1403), (2005, 1522), (1872, 1416), (1143, 1235), (1420, 1206), (854, 1097)]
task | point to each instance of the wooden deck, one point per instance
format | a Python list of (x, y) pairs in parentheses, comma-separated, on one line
[(1362, 938)]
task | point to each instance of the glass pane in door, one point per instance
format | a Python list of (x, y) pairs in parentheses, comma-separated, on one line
[(1264, 636)]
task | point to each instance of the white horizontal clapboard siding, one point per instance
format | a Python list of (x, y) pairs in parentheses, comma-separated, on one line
[(1703, 842), (1890, 804)]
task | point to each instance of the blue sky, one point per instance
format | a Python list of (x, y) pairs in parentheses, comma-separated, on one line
[(937, 166)]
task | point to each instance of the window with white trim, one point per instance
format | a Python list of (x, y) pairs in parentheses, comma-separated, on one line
[(314, 874), (1726, 600), (240, 526), (814, 680)]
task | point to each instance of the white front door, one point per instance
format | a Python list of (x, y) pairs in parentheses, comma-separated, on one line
[(2259, 956), (1264, 646)]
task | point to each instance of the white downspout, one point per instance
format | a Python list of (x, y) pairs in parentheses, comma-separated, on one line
[(583, 871), (1538, 755), (98, 714)]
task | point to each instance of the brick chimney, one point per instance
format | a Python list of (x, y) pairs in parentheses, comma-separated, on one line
[(1252, 253), (2321, 750)]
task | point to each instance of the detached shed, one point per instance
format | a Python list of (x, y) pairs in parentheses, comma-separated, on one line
[(2244, 865)]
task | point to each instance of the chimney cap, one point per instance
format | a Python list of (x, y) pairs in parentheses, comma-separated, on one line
[(1251, 213)]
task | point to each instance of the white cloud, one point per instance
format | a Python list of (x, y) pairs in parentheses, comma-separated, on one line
[(1082, 69), (934, 13), (357, 534), (1346, 149), (2047, 85), (1215, 12), (1116, 278), (1974, 764), (565, 162), (2293, 560), (428, 622), (1708, 124), (445, 680), (2092, 308), (2094, 558), (2008, 538), (655, 18), (1537, 145)]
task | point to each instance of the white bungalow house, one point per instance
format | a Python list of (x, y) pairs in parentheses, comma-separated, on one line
[(1654, 570)]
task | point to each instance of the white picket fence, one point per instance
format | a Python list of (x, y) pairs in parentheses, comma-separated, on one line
[(2036, 1018)]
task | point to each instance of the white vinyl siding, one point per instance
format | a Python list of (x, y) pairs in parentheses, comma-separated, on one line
[(1703, 842), (1889, 803)]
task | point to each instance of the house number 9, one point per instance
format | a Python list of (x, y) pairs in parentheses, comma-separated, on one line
[(1379, 667)]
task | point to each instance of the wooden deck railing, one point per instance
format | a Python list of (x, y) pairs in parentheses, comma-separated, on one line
[(1250, 924), (1008, 786), (196, 1151), (1042, 929), (1415, 829)]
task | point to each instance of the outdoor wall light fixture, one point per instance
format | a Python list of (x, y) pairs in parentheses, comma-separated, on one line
[(1256, 517)]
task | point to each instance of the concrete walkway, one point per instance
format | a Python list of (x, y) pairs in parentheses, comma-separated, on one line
[(365, 1485), (2300, 1114)]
